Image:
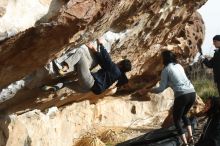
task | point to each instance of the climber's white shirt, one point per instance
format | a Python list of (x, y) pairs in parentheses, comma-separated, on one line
[(173, 75)]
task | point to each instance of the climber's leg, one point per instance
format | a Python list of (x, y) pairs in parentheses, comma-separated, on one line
[(85, 77)]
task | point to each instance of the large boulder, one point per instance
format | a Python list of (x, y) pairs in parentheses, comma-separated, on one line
[(32, 33)]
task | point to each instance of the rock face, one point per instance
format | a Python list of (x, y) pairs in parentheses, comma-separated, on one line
[(63, 127), (153, 25), (32, 33)]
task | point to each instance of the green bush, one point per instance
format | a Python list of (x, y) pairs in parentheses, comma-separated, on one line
[(205, 87)]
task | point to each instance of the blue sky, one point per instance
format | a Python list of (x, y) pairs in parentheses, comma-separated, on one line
[(211, 16)]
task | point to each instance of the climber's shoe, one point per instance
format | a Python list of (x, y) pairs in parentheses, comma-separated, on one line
[(49, 88), (53, 88)]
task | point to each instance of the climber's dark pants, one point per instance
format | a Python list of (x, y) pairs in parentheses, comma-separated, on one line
[(182, 105)]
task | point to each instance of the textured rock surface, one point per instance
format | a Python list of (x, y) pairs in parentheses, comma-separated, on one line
[(153, 24), (3, 5), (17, 16), (32, 33), (63, 127), (147, 27)]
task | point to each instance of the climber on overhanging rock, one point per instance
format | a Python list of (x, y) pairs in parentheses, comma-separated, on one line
[(101, 80), (61, 66), (64, 64)]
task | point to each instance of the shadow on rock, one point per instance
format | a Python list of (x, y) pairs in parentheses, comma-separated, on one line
[(4, 131), (137, 97)]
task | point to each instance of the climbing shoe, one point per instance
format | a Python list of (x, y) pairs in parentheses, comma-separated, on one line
[(49, 88)]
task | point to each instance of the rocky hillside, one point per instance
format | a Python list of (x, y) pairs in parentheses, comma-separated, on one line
[(33, 33)]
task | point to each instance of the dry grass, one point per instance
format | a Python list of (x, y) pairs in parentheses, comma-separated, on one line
[(90, 140), (111, 137)]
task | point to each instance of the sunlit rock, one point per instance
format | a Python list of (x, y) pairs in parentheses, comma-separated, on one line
[(33, 33)]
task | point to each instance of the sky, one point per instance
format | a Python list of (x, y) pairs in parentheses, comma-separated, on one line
[(211, 16)]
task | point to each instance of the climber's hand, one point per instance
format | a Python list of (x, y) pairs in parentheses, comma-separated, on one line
[(100, 40), (91, 46)]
